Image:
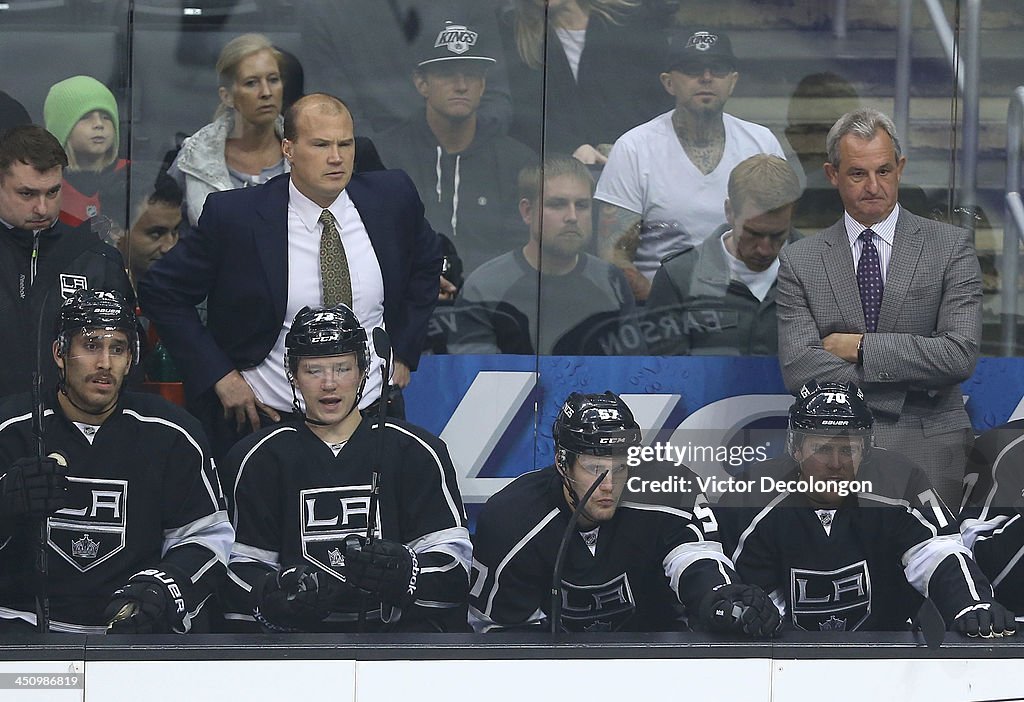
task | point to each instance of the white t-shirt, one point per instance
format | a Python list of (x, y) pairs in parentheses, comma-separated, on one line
[(649, 173), (572, 41), (268, 380)]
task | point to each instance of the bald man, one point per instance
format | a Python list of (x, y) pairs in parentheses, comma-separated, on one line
[(316, 236)]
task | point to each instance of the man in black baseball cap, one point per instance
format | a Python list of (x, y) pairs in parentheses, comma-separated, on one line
[(466, 176), (671, 193)]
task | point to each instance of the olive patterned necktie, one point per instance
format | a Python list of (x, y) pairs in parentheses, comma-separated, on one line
[(335, 279)]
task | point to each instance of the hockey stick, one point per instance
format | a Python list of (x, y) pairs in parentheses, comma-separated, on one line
[(556, 576), (382, 347), (933, 626), (42, 563)]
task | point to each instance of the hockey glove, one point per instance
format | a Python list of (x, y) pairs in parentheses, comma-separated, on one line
[(985, 619), (150, 603), (737, 608), (34, 487), (385, 568), (296, 599)]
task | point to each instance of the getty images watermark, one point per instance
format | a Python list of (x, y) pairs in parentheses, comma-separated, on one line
[(734, 456)]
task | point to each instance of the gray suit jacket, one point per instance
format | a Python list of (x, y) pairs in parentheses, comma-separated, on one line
[(928, 328)]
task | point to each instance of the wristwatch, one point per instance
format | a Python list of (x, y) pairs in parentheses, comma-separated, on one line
[(860, 351)]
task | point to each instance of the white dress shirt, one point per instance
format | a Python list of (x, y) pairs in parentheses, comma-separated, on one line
[(268, 380)]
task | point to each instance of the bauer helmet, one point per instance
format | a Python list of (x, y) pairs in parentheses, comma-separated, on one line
[(829, 409), (96, 309)]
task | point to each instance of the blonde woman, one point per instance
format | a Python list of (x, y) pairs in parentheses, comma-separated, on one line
[(242, 146)]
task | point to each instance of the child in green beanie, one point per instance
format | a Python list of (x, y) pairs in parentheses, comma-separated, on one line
[(82, 113)]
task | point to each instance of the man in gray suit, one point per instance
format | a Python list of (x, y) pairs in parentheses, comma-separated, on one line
[(888, 300)]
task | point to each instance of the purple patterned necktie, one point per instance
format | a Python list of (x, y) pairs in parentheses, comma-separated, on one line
[(869, 280)]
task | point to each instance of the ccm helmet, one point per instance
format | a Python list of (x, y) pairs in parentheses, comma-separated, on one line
[(598, 425), (830, 409), (325, 331), (96, 309)]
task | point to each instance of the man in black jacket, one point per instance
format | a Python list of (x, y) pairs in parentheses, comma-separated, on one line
[(42, 261)]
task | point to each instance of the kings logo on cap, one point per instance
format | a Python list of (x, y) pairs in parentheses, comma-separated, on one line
[(458, 38), (702, 41)]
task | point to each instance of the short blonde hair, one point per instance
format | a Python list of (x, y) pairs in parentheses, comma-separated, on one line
[(764, 179)]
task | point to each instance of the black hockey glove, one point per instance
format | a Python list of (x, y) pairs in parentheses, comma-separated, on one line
[(33, 488), (388, 569), (297, 598), (152, 602), (985, 619), (738, 608)]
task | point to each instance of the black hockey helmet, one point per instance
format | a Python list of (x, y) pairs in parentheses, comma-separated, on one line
[(830, 409), (96, 309), (598, 425), (326, 331)]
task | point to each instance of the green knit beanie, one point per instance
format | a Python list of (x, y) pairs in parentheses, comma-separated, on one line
[(71, 99)]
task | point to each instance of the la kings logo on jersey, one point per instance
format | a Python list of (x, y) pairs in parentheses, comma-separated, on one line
[(604, 607), (70, 284), (328, 516), (831, 600), (91, 528)]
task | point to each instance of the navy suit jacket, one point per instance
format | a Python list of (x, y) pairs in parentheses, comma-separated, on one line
[(237, 259)]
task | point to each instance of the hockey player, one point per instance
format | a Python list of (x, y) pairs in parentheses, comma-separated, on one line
[(842, 534), (137, 536), (991, 520), (301, 505), (629, 565)]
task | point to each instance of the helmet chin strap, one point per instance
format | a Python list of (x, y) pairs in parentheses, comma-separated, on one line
[(62, 386), (574, 498), (316, 422)]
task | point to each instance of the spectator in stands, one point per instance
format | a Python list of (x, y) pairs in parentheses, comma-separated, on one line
[(12, 113), (718, 297), (242, 146), (82, 113), (587, 298), (664, 179), (154, 227), (465, 177), (599, 72), (363, 50)]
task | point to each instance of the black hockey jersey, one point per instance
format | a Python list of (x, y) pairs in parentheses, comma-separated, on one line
[(294, 502), (991, 521), (860, 566), (143, 494), (643, 557)]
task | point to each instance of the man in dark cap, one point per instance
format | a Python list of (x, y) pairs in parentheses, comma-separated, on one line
[(466, 177), (668, 176)]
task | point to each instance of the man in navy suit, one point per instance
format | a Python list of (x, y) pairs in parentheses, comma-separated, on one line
[(256, 258)]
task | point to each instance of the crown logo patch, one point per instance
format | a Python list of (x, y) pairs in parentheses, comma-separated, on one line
[(832, 624), (85, 547), (335, 558)]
